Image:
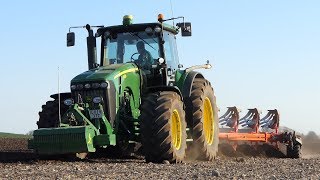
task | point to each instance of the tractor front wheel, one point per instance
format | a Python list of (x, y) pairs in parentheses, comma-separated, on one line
[(163, 127), (49, 116)]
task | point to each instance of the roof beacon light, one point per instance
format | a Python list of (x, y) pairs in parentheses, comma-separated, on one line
[(160, 17), (127, 20)]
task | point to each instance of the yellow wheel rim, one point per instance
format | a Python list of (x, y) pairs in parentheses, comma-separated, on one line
[(208, 121), (176, 129)]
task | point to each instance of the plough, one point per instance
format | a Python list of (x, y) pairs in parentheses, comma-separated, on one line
[(257, 132)]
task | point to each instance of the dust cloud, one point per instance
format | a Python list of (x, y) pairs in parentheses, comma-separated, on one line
[(310, 145)]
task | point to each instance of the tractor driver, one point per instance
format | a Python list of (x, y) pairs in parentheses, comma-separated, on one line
[(145, 59)]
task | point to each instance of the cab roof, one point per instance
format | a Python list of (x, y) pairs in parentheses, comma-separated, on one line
[(137, 27)]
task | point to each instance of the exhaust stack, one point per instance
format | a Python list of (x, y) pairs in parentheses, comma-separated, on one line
[(91, 48)]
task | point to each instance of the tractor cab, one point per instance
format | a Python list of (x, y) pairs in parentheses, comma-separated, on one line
[(151, 46)]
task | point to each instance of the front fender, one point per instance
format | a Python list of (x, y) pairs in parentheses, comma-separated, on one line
[(185, 83)]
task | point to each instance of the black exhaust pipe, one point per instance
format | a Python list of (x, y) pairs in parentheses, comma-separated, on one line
[(91, 48)]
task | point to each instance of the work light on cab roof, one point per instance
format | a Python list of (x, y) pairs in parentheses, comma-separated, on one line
[(127, 20)]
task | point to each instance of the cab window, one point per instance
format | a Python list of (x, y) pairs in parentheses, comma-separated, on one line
[(170, 49), (121, 47)]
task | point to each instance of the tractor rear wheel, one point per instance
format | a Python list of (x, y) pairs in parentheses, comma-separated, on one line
[(202, 116), (49, 116), (163, 127)]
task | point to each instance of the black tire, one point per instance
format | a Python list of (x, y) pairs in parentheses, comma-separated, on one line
[(202, 114), (49, 116), (159, 111), (295, 152)]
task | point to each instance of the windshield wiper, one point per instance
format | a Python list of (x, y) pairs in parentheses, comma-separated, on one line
[(142, 40)]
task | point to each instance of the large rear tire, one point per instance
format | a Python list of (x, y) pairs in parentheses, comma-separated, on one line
[(163, 127), (49, 116), (202, 116)]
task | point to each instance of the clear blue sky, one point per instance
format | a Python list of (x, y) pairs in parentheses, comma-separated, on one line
[(266, 54)]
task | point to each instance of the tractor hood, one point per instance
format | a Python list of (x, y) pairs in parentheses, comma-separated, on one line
[(105, 73)]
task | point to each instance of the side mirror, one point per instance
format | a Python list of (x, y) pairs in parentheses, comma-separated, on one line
[(185, 28), (70, 39)]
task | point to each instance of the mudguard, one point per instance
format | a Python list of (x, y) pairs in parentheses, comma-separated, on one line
[(187, 84)]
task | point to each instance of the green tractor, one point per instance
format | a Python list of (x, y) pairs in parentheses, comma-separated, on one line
[(137, 94)]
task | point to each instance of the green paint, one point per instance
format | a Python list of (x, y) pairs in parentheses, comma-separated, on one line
[(104, 140), (73, 139), (78, 132), (63, 140), (101, 74), (180, 78)]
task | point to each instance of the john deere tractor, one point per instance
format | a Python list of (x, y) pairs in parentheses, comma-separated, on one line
[(125, 100)]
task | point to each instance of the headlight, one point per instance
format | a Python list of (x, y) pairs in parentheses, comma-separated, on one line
[(97, 100), (157, 29), (148, 30), (87, 86), (161, 60), (73, 87), (68, 102), (95, 85), (104, 85), (79, 86)]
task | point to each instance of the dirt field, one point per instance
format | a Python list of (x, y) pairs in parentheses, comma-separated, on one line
[(27, 166)]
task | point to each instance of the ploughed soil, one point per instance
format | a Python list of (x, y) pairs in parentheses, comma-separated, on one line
[(17, 162), (13, 144)]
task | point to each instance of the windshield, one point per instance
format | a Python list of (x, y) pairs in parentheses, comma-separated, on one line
[(122, 47)]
